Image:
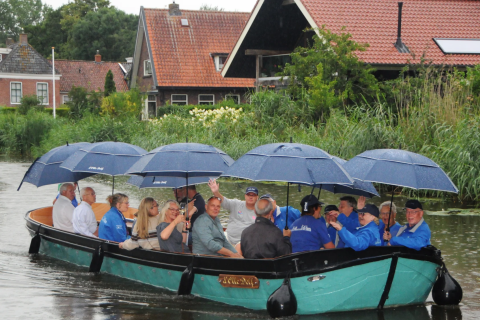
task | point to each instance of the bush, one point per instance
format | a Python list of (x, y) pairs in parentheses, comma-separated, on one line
[(28, 103), (123, 104), (83, 102)]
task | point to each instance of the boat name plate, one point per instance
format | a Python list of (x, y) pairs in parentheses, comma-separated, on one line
[(237, 281)]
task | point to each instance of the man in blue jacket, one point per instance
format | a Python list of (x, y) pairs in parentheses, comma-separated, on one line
[(416, 233), (367, 235), (384, 216), (348, 217), (330, 216), (280, 213)]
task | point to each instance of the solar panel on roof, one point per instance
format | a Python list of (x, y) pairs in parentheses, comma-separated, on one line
[(458, 46), (184, 22)]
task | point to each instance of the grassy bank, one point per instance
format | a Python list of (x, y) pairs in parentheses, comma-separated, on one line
[(437, 117)]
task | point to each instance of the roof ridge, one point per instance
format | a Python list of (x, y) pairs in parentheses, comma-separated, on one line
[(199, 11)]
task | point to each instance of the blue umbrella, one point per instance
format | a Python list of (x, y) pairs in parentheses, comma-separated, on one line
[(164, 182), (359, 188), (46, 169), (291, 163), (400, 168), (185, 160), (110, 158)]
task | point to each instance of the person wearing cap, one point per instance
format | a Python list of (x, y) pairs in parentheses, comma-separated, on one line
[(384, 214), (198, 207), (330, 216), (308, 232), (348, 216), (242, 213), (263, 239), (416, 233), (279, 215), (367, 235)]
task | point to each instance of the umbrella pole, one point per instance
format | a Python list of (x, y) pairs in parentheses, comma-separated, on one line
[(319, 190), (113, 184), (390, 213), (186, 208), (286, 215)]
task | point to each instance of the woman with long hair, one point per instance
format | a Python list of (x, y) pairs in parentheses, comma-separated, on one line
[(113, 225), (144, 233)]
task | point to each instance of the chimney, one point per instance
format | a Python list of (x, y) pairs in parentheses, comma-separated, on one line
[(10, 42), (174, 9), (98, 57), (401, 47), (23, 38)]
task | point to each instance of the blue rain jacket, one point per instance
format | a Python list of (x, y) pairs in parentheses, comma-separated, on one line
[(332, 233), (113, 226), (350, 222), (280, 214), (366, 236), (415, 237), (393, 231)]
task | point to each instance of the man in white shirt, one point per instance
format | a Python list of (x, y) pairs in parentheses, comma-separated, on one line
[(84, 221), (63, 208), (242, 213)]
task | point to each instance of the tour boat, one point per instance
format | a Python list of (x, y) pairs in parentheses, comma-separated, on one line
[(310, 282)]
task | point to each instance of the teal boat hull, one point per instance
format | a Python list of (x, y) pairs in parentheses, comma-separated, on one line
[(323, 281)]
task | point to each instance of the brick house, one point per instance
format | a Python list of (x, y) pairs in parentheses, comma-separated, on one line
[(23, 71), (179, 55), (89, 75), (444, 32)]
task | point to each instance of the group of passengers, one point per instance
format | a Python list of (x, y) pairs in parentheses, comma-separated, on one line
[(257, 228)]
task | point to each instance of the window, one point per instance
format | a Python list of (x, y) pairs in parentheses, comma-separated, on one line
[(234, 97), (458, 46), (180, 99), (15, 92), (147, 68), (219, 62), (206, 99), (152, 105), (42, 92), (65, 98)]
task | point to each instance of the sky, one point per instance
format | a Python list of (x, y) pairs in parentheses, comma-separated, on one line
[(130, 6)]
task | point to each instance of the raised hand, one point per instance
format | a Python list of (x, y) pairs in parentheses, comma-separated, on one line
[(180, 218), (361, 202), (214, 186), (336, 225)]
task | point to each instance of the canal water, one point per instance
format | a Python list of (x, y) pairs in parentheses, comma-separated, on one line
[(39, 287)]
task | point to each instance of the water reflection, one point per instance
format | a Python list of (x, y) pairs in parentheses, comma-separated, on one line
[(39, 287)]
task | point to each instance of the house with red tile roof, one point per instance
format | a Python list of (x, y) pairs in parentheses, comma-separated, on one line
[(444, 32), (179, 55), (89, 75), (23, 71)]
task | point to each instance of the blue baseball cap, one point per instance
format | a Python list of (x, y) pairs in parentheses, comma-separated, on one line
[(370, 208), (251, 190)]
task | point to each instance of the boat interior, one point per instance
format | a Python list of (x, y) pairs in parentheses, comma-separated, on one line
[(44, 215)]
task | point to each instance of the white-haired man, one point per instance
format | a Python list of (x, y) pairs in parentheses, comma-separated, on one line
[(84, 220), (62, 213)]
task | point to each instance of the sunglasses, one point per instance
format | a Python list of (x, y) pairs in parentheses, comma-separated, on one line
[(214, 198)]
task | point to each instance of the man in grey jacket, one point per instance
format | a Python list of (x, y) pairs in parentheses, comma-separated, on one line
[(242, 213), (208, 236)]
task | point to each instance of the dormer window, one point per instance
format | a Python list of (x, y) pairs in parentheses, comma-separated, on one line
[(147, 68), (219, 61)]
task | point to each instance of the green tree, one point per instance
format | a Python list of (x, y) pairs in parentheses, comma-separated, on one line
[(109, 30), (17, 14), (48, 34), (82, 102), (109, 87), (329, 73)]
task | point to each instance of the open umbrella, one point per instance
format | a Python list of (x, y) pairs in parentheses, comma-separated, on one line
[(46, 169), (291, 163), (109, 158), (164, 182)]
